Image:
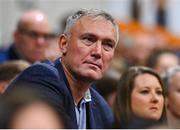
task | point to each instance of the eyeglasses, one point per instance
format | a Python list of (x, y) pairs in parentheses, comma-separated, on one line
[(35, 35)]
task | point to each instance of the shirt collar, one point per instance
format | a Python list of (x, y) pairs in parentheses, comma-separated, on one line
[(87, 96)]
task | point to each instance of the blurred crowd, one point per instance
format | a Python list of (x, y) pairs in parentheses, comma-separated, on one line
[(141, 86)]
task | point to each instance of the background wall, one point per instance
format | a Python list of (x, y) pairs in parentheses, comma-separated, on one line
[(10, 11)]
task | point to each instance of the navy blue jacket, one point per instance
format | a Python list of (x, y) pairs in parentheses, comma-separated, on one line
[(9, 54), (50, 78)]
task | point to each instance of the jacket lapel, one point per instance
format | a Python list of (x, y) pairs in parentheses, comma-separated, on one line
[(69, 102)]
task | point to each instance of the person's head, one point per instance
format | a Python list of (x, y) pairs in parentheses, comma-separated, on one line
[(161, 60), (136, 45), (141, 47), (9, 70), (140, 93), (88, 44), (172, 82), (26, 109), (32, 35)]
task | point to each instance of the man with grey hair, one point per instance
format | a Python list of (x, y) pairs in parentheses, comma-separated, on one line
[(172, 82), (87, 45)]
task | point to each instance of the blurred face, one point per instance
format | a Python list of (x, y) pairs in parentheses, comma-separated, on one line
[(33, 39), (146, 99), (88, 51), (165, 61), (36, 116), (174, 95), (141, 48)]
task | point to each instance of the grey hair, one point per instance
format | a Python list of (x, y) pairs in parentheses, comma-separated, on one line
[(71, 20), (170, 72)]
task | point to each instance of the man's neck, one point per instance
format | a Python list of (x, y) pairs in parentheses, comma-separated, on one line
[(77, 87)]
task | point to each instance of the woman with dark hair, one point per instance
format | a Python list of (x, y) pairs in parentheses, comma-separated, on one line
[(140, 99)]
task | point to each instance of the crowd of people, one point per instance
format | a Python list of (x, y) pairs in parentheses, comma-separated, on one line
[(99, 73)]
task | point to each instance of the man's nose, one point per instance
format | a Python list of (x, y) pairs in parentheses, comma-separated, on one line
[(97, 50), (40, 41)]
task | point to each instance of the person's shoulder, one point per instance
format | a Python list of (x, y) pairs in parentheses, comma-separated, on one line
[(40, 70), (8, 53), (43, 66), (41, 75), (46, 65), (3, 55)]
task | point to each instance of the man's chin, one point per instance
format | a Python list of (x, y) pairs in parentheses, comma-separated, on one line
[(93, 77), (90, 77)]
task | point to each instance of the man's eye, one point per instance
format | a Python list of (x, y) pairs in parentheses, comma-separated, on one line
[(33, 34), (88, 40), (108, 46), (91, 39)]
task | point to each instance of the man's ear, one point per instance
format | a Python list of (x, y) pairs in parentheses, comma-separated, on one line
[(63, 43)]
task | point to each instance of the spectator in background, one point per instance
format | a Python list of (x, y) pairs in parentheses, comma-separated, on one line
[(161, 60), (31, 38), (172, 82), (87, 45), (25, 109), (141, 47), (137, 46), (10, 70), (140, 99)]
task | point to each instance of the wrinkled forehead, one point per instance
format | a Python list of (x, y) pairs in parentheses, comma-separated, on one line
[(93, 20)]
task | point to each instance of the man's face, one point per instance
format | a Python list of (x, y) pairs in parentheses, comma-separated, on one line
[(33, 40), (173, 102), (89, 48)]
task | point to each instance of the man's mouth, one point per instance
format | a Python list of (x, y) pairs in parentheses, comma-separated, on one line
[(94, 64)]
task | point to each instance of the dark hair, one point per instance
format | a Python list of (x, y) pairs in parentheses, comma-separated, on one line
[(122, 105)]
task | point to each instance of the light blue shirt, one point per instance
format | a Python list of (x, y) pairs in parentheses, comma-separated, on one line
[(81, 110)]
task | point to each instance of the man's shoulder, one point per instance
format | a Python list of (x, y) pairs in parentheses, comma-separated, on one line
[(40, 75), (40, 72), (40, 68), (46, 66)]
